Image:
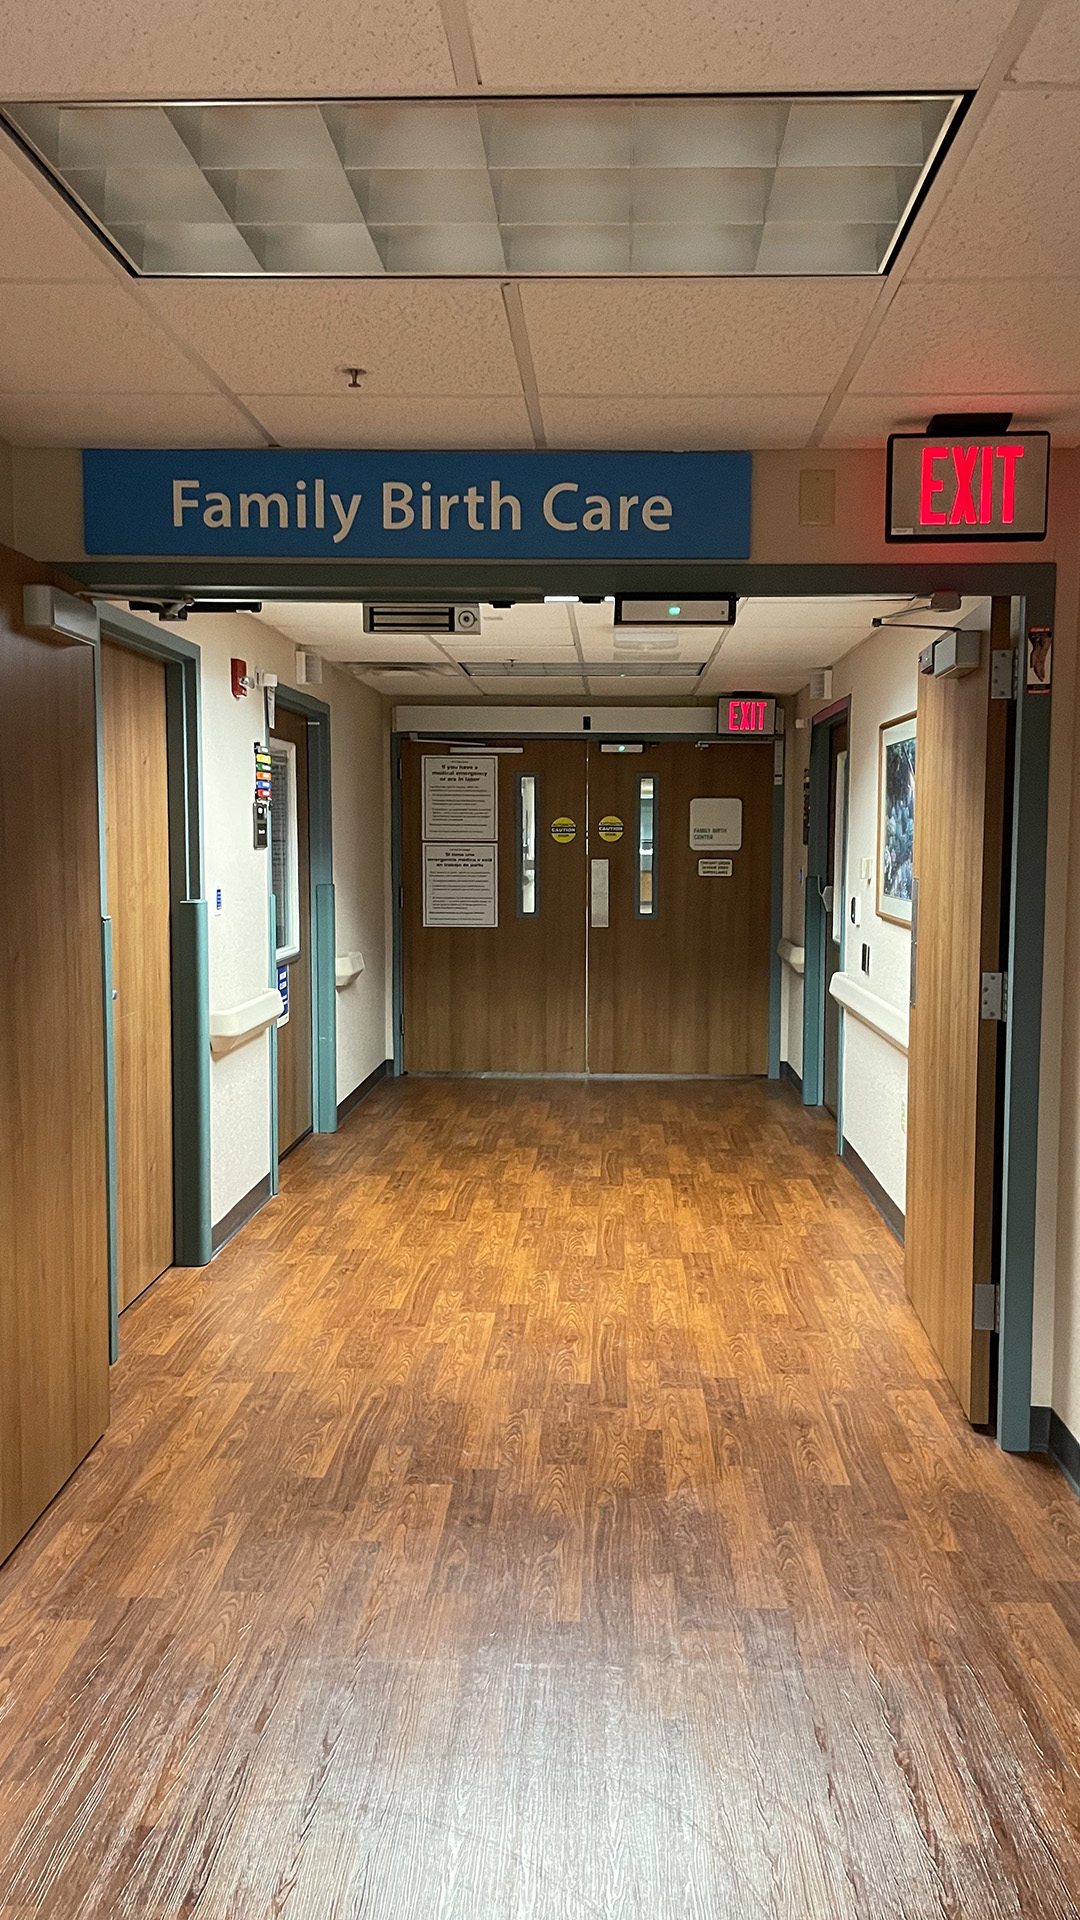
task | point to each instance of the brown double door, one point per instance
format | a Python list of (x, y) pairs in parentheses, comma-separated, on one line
[(619, 947)]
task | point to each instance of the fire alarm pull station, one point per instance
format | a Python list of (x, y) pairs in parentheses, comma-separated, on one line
[(261, 809)]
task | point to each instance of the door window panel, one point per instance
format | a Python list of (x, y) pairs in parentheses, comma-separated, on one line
[(528, 902), (284, 852), (645, 887)]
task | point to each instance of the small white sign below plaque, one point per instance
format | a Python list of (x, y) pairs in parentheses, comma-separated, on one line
[(714, 869), (461, 886), (715, 824)]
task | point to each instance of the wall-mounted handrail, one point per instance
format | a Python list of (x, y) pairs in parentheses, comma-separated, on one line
[(234, 1025), (889, 1022), (347, 968)]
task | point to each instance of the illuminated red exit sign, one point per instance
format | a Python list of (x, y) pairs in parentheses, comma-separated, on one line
[(943, 488), (746, 713)]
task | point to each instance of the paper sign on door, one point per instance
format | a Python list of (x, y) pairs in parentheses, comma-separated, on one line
[(460, 886), (460, 797), (714, 824)]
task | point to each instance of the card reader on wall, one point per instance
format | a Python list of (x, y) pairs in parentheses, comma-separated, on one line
[(954, 654)]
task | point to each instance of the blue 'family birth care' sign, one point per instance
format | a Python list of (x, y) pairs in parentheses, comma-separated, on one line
[(285, 505)]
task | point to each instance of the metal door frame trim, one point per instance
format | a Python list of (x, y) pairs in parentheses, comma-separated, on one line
[(322, 923), (815, 932)]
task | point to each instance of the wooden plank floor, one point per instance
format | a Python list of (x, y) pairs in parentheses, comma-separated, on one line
[(547, 1509)]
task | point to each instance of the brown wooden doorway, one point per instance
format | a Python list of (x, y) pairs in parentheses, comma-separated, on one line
[(290, 850), (680, 909), (955, 1093), (136, 780), (507, 998)]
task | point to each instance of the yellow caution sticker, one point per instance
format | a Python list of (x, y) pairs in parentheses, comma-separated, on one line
[(611, 827), (563, 829)]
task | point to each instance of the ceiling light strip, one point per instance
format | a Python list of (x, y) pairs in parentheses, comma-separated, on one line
[(708, 186)]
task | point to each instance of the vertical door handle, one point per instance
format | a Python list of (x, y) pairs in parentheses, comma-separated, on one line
[(914, 942)]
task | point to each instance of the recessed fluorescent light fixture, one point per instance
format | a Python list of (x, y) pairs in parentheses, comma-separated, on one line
[(707, 186)]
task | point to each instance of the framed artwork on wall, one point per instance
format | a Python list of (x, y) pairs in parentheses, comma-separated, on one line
[(896, 819)]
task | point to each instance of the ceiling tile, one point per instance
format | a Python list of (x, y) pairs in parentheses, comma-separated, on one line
[(1015, 209), (362, 420), (867, 419), (477, 653), (294, 336), (124, 420), (87, 339), (349, 642), (39, 238), (697, 46), (1053, 51), (673, 421), (153, 49), (987, 337), (664, 337)]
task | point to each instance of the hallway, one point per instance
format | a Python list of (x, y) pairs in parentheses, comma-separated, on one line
[(548, 1508)]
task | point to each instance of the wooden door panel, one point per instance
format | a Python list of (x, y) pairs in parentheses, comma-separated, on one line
[(952, 1063), (54, 1326), (511, 998), (294, 1050), (685, 990), (137, 858)]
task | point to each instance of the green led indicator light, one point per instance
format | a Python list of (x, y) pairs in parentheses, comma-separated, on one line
[(674, 611)]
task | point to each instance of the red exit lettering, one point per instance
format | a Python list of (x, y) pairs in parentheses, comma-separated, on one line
[(971, 472), (747, 716)]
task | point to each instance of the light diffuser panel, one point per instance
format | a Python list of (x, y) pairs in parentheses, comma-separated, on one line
[(704, 186)]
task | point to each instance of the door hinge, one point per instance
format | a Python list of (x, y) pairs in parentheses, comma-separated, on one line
[(985, 1308), (994, 1002), (1004, 669)]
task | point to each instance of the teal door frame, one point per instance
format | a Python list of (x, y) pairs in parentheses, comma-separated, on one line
[(323, 926), (188, 937), (815, 985), (1032, 582)]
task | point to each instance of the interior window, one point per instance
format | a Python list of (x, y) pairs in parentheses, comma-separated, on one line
[(646, 855), (284, 863), (528, 889)]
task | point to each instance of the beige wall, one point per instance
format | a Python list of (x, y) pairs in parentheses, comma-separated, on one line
[(239, 935)]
